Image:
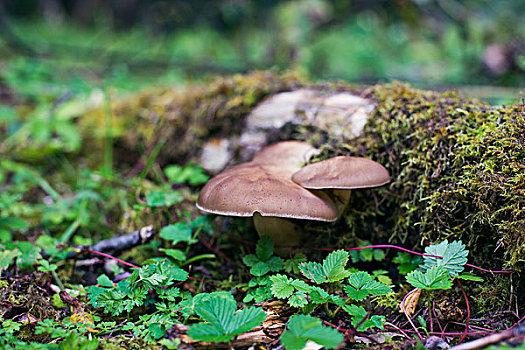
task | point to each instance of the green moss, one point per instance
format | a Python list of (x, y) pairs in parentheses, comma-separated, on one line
[(458, 172)]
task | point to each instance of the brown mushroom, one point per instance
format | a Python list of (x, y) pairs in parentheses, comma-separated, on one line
[(263, 189), (341, 174)]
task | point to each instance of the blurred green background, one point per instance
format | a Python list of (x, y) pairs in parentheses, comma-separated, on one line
[(52, 46)]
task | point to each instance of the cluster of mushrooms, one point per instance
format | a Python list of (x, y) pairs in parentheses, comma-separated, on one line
[(275, 187)]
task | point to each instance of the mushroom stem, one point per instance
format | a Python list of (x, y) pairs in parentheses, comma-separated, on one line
[(283, 232), (340, 197)]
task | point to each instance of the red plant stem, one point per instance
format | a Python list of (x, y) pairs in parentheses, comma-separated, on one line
[(336, 327), (215, 250), (112, 258), (468, 313), (517, 323), (405, 312), (437, 319), (439, 333)]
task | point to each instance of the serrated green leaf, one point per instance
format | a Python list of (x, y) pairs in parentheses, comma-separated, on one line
[(358, 313), (362, 285), (292, 265), (334, 266), (313, 271), (260, 269), (247, 319), (275, 264), (250, 260), (300, 285), (207, 332), (264, 248), (298, 299), (281, 287), (454, 257), (318, 295), (301, 328), (435, 277), (218, 309)]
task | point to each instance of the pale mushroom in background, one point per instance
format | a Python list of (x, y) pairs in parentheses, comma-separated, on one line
[(341, 174)]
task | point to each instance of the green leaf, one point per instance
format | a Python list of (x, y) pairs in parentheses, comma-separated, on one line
[(407, 262), (260, 269), (362, 285), (332, 270), (176, 254), (104, 281), (292, 265), (281, 287), (13, 223), (275, 264), (264, 248), (318, 295), (163, 198), (302, 328), (358, 313), (454, 257), (470, 277), (435, 277), (298, 299), (250, 260), (179, 232), (334, 266), (218, 309)]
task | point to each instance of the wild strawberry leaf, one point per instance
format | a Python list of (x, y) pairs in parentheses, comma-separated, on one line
[(435, 277), (362, 285), (260, 269), (332, 269), (302, 328), (218, 309), (454, 257), (281, 287), (313, 271), (275, 264), (298, 299), (334, 266), (264, 248)]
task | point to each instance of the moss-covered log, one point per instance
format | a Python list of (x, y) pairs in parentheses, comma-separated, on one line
[(457, 164)]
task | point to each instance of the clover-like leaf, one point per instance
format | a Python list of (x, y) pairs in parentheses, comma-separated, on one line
[(362, 285), (435, 277), (250, 260), (454, 257), (260, 269), (302, 328)]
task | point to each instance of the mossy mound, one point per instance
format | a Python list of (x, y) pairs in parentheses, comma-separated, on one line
[(458, 172), (457, 164)]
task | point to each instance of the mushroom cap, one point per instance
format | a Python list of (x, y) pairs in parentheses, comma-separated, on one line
[(342, 172), (264, 185)]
